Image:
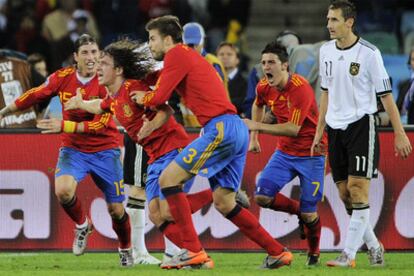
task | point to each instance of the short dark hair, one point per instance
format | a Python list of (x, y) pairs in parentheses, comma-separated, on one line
[(167, 25), (84, 39), (131, 56), (348, 9), (276, 48), (35, 58), (231, 45)]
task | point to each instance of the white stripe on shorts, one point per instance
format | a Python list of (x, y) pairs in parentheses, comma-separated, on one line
[(138, 166), (371, 146)]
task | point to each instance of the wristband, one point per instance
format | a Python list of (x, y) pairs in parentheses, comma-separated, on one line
[(69, 126)]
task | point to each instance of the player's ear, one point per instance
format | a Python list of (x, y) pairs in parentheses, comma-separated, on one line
[(75, 57), (119, 71), (285, 66)]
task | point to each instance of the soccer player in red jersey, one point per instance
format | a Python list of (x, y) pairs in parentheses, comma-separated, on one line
[(219, 154), (90, 145), (122, 68), (292, 101)]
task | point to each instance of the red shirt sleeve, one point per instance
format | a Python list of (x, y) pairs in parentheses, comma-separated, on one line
[(99, 123), (175, 69), (300, 100), (38, 94)]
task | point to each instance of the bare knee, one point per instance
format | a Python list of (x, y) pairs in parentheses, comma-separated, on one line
[(173, 175), (155, 217), (263, 201), (166, 215), (358, 190), (224, 200), (137, 192), (309, 217), (65, 187), (116, 210)]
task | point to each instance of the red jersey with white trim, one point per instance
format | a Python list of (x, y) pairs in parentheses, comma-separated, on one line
[(295, 104), (100, 130), (195, 80), (168, 137)]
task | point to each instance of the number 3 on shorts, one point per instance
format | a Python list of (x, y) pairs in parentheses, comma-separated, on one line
[(189, 158), (317, 184)]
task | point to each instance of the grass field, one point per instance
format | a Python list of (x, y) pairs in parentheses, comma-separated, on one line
[(226, 264)]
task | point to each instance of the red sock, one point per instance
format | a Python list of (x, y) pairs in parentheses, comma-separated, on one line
[(251, 227), (181, 212), (285, 204), (313, 235), (122, 228), (172, 232), (74, 210), (199, 200)]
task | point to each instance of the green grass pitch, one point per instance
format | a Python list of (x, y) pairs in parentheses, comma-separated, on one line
[(52, 263)]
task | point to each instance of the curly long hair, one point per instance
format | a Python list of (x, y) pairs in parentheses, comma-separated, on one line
[(134, 58)]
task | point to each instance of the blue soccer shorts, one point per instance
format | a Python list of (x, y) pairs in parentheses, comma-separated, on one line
[(152, 185), (104, 166), (282, 168), (219, 153)]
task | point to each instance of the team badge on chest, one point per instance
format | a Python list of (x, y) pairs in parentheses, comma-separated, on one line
[(127, 110), (354, 68)]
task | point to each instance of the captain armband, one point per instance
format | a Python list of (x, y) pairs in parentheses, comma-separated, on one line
[(69, 126)]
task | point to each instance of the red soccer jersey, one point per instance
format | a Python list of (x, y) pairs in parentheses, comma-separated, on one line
[(195, 80), (100, 130), (168, 137), (296, 104)]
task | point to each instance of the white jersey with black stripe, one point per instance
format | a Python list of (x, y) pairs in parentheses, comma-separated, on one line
[(353, 77)]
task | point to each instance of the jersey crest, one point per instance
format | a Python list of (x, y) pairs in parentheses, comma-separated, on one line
[(354, 68), (127, 110)]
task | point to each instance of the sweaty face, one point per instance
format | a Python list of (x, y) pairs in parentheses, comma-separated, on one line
[(273, 69), (337, 26), (227, 55), (87, 59), (106, 70), (156, 45)]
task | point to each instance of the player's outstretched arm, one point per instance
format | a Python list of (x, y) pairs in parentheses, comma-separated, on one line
[(54, 125), (7, 110), (163, 114), (402, 145), (91, 106), (285, 129)]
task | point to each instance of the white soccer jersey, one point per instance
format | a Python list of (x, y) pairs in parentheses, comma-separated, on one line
[(353, 77)]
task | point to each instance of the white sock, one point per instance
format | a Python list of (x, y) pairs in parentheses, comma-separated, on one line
[(370, 239), (137, 218), (356, 229), (170, 248)]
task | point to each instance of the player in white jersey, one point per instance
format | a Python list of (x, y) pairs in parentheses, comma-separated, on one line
[(352, 77)]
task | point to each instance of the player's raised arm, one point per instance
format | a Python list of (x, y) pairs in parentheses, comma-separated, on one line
[(54, 125), (7, 110), (91, 106)]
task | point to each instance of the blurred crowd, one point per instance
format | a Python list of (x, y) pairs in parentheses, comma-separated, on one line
[(49, 27)]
